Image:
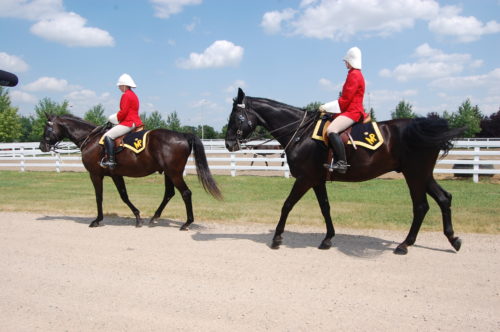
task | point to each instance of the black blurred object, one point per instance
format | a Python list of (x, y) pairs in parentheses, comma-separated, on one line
[(108, 125), (7, 79)]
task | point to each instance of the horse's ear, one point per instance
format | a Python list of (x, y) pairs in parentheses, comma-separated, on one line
[(241, 96)]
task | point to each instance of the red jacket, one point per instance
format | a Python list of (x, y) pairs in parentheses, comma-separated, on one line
[(351, 100), (129, 110)]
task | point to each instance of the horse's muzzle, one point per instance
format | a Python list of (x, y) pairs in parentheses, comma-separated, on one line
[(44, 147), (232, 145)]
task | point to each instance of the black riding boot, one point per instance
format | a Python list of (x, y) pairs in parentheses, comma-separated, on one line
[(109, 147), (340, 163)]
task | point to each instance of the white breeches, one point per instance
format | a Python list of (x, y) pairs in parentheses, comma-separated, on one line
[(339, 124), (118, 131)]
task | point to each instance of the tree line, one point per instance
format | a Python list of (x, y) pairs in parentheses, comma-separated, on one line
[(20, 128)]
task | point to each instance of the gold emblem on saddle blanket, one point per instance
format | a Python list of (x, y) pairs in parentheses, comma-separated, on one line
[(135, 141), (369, 137)]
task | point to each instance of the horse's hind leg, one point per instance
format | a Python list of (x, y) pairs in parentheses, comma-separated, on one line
[(122, 190), (443, 199), (420, 208), (169, 193), (179, 183)]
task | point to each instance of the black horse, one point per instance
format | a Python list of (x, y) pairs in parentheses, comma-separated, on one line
[(166, 151), (411, 146)]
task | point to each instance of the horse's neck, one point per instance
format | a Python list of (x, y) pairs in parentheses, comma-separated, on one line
[(277, 118), (77, 131)]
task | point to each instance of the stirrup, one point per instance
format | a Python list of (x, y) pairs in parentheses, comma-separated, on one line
[(107, 164), (339, 166)]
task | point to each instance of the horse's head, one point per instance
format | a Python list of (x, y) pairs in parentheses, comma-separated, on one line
[(242, 122), (52, 133)]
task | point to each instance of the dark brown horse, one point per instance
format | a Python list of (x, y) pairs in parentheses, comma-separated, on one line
[(166, 151), (411, 147)]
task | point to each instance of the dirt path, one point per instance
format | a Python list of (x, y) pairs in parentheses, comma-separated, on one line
[(56, 274)]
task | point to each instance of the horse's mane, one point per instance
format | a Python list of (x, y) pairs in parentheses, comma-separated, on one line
[(276, 104), (74, 117)]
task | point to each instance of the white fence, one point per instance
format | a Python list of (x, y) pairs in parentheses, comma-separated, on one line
[(468, 158)]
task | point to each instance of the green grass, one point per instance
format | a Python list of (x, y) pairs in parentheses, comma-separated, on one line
[(373, 204)]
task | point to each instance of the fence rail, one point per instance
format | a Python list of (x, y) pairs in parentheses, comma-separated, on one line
[(467, 158)]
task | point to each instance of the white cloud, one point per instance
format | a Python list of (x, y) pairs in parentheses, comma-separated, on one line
[(49, 84), (18, 96), (468, 82), (55, 24), (465, 29), (431, 63), (70, 29), (166, 8), (12, 63), (30, 10), (340, 20), (271, 21), (221, 53)]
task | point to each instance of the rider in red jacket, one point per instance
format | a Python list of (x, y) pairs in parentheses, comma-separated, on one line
[(350, 107), (126, 119)]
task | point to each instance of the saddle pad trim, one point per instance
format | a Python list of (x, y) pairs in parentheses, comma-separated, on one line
[(378, 136)]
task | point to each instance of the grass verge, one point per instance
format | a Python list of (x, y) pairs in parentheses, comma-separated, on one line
[(378, 203)]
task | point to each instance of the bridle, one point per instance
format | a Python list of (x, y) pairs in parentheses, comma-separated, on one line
[(46, 138), (243, 116)]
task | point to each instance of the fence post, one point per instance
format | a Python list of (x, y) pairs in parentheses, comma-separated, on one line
[(233, 164), (58, 162), (22, 158), (475, 176)]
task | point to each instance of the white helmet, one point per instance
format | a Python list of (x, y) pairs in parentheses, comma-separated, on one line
[(125, 79), (353, 57)]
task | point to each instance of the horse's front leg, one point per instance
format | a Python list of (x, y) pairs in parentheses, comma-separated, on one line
[(97, 182), (324, 204), (300, 187), (122, 189)]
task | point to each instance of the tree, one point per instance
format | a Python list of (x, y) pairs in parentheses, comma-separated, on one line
[(173, 122), (490, 126), (403, 111), (206, 132), (10, 123), (96, 115), (27, 134), (467, 116), (153, 121), (50, 107), (372, 114), (314, 106)]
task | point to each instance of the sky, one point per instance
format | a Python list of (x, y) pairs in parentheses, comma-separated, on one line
[(190, 56)]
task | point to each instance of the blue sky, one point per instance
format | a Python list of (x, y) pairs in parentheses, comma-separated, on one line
[(190, 56)]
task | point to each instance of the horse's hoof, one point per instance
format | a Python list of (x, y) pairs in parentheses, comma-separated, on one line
[(139, 225), (401, 250), (153, 223), (184, 228), (94, 224), (275, 246), (325, 245), (456, 243)]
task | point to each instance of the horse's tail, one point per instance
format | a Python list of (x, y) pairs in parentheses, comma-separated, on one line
[(204, 174), (431, 133)]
